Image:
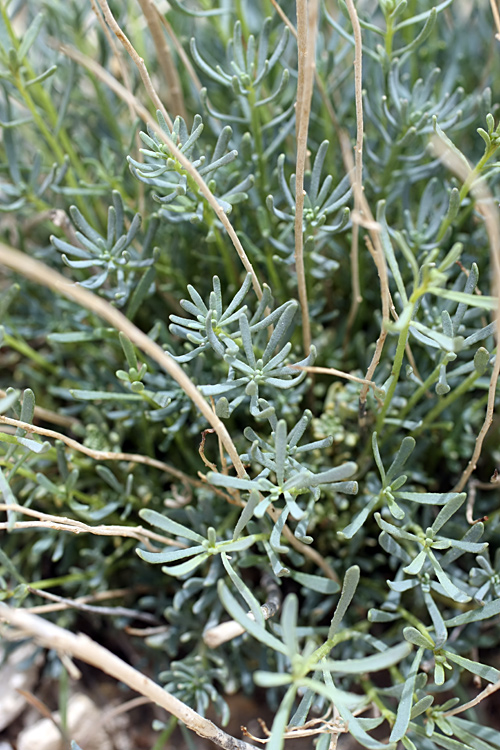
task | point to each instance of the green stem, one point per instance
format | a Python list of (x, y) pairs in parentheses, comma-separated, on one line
[(274, 277), (162, 741), (473, 175), (9, 565), (405, 320), (412, 620), (389, 36), (257, 137), (445, 402), (345, 635), (51, 140), (242, 19), (50, 583), (373, 697), (23, 348), (421, 390), (44, 99)]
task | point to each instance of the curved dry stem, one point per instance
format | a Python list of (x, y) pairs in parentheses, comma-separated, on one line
[(61, 523), (475, 701), (284, 17), (375, 250), (358, 161), (116, 50), (124, 72), (42, 274), (137, 59), (82, 647), (307, 29), (364, 217), (77, 603), (488, 207), (336, 373), (61, 603), (136, 458), (368, 221), (146, 117)]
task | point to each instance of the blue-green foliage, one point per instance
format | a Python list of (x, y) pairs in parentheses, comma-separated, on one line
[(114, 253), (346, 510)]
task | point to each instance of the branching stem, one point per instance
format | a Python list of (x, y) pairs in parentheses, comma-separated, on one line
[(137, 458), (61, 523)]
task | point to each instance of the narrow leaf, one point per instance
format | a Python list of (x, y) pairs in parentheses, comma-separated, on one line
[(406, 701), (171, 527), (372, 663), (350, 584), (255, 629), (482, 670)]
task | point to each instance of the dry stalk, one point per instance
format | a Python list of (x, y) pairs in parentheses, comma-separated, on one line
[(62, 603), (146, 117), (136, 458), (61, 523), (307, 29), (488, 207), (375, 250), (358, 162), (496, 17), (84, 648), (174, 92), (99, 596), (336, 373), (374, 247), (160, 18), (284, 17), (475, 701), (137, 59), (116, 51)]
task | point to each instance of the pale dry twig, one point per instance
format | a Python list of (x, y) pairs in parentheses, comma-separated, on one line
[(307, 29), (61, 523), (488, 208), (358, 160), (82, 647), (138, 60)]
